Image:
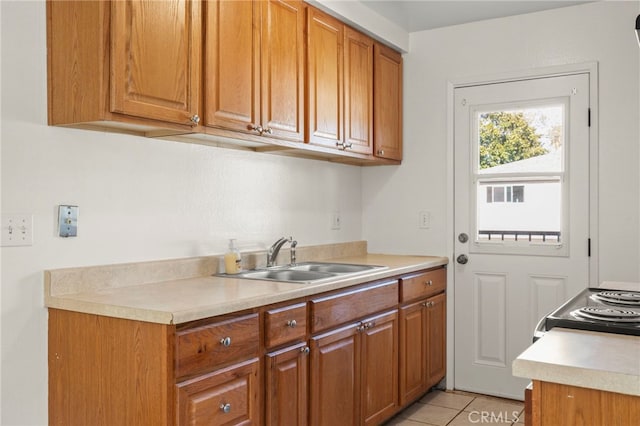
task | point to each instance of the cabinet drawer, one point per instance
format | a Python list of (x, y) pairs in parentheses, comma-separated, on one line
[(227, 396), (423, 284), (201, 349), (287, 324), (331, 311)]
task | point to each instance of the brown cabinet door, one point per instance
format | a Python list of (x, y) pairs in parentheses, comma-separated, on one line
[(413, 351), (324, 74), (379, 368), (437, 338), (287, 386), (358, 91), (282, 68), (232, 64), (155, 59), (224, 397), (387, 103), (334, 379)]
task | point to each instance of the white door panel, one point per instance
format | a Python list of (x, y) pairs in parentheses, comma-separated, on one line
[(526, 217)]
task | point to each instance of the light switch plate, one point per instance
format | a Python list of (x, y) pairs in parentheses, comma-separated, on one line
[(68, 221), (17, 229), (424, 220)]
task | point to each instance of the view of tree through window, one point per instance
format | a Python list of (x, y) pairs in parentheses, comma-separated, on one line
[(506, 137)]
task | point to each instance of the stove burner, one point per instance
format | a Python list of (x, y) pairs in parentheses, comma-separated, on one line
[(622, 298), (607, 315)]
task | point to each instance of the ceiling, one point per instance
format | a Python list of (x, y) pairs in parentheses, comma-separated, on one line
[(418, 15)]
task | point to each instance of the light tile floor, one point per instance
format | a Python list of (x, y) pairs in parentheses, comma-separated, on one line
[(438, 408)]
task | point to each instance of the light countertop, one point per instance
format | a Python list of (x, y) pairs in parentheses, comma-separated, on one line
[(175, 301), (603, 361), (589, 359)]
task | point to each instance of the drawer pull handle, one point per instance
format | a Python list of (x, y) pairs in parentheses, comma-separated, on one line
[(292, 323), (225, 408), (429, 283), (226, 342), (305, 350)]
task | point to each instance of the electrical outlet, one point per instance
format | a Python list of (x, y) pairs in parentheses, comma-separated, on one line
[(336, 221), (17, 229), (424, 220)]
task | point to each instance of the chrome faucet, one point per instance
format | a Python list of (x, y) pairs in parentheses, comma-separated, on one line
[(273, 251)]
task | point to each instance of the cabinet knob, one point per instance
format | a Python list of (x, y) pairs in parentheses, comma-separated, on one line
[(225, 408), (380, 152), (429, 283), (261, 130), (226, 341), (256, 128), (292, 323), (195, 119), (344, 145), (305, 350)]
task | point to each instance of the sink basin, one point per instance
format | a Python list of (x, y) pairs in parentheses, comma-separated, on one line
[(286, 275), (336, 268), (304, 273)]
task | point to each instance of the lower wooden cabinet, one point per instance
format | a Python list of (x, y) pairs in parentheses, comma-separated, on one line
[(379, 385), (286, 390), (422, 346), (228, 396), (368, 356), (354, 373), (556, 404), (335, 365), (436, 339)]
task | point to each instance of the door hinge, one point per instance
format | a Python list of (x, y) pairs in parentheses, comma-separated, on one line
[(589, 116), (589, 247)]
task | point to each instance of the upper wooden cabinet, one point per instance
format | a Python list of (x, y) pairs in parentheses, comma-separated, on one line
[(254, 67), (387, 102), (282, 68), (155, 59), (268, 74), (340, 85), (358, 91), (325, 82), (124, 61), (232, 65)]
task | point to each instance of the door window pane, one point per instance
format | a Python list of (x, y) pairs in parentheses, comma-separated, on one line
[(520, 150)]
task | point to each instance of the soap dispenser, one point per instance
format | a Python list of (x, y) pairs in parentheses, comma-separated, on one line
[(232, 259)]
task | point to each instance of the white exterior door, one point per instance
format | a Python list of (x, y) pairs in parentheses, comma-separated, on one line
[(522, 201)]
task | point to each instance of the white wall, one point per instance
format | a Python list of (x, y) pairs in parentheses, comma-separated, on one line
[(139, 200), (600, 31), (144, 199)]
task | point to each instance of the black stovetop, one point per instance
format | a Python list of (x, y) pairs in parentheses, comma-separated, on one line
[(594, 309)]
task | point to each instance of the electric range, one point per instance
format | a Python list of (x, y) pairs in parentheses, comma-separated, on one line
[(596, 309)]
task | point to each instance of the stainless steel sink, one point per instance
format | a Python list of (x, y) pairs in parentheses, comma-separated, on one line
[(285, 275), (337, 268), (304, 273)]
